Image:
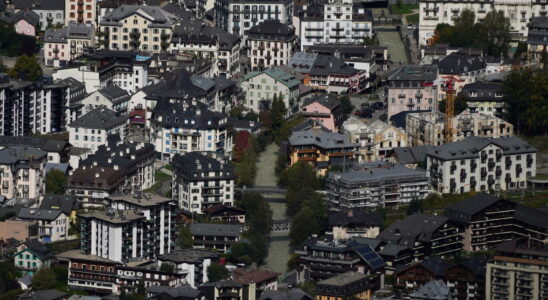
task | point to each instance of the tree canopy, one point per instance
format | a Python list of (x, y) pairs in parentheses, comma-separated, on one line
[(44, 279), (56, 182), (26, 68), (184, 239), (217, 272)]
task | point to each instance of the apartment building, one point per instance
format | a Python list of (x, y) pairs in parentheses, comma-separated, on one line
[(537, 37), (326, 110), (118, 168), (410, 87), (485, 98), (425, 235), (361, 57), (518, 271), (28, 108), (52, 224), (191, 262), (464, 67), (335, 22), (202, 181), (92, 129), (428, 128), (217, 290), (63, 45), (375, 185), (353, 223), (57, 151), (481, 164), (113, 98), (90, 273), (322, 259), (321, 148), (23, 172), (81, 11), (434, 12), (262, 86), (216, 237), (31, 256), (25, 22), (139, 28), (270, 44), (50, 12), (489, 220), (238, 16), (328, 73), (347, 285)]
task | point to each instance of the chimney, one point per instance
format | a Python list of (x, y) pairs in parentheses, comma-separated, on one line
[(95, 163), (96, 175), (116, 167)]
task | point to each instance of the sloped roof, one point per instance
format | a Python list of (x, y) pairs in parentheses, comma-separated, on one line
[(204, 229), (278, 74), (327, 101), (155, 14), (414, 228), (39, 214), (28, 15), (459, 63), (271, 30), (321, 138), (462, 211), (291, 294), (65, 203), (412, 155), (99, 118), (433, 290), (193, 256), (180, 292)]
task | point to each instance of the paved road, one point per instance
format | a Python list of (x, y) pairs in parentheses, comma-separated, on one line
[(392, 40), (262, 189)]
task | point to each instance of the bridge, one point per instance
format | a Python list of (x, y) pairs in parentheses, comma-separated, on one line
[(261, 189)]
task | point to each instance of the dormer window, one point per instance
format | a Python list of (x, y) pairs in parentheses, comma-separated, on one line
[(473, 94), (498, 94)]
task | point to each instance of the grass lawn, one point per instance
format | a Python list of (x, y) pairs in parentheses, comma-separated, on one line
[(403, 9), (540, 142), (412, 19), (159, 176), (169, 167)]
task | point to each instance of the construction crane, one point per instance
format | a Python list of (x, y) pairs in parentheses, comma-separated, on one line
[(449, 88)]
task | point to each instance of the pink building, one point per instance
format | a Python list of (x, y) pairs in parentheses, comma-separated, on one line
[(26, 22), (324, 109), (409, 88)]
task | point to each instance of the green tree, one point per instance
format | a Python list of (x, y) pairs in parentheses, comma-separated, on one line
[(258, 213), (3, 67), (184, 239), (496, 36), (44, 279), (303, 225), (27, 68), (167, 267), (292, 262), (415, 206), (217, 272), (278, 112), (461, 104), (346, 106), (252, 116), (56, 182), (309, 288)]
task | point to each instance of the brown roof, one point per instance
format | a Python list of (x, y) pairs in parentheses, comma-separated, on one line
[(221, 208), (257, 276)]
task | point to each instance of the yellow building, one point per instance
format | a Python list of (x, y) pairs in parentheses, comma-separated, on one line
[(350, 285), (133, 27)]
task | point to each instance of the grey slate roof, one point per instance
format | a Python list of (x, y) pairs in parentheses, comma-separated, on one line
[(66, 203), (355, 216), (185, 115), (191, 165), (186, 292), (176, 85), (115, 94), (39, 214), (156, 15), (292, 294), (412, 75), (484, 92), (38, 248), (344, 279), (392, 250), (15, 154), (412, 155), (99, 118), (459, 63), (28, 15), (531, 216), (433, 290), (39, 4), (414, 228), (462, 211), (471, 147), (271, 30), (193, 256), (321, 138), (26, 279), (204, 229), (43, 295), (373, 173), (328, 101)]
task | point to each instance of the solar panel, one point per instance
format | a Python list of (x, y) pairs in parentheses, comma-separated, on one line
[(370, 256)]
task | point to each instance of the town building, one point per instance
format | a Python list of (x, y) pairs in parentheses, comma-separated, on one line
[(325, 110), (434, 12), (23, 172), (138, 27), (51, 294), (328, 73), (361, 57), (68, 204), (265, 280), (270, 44), (262, 86), (217, 290), (428, 128), (76, 92), (92, 129), (426, 235), (353, 223), (50, 12), (193, 263), (485, 98), (463, 68), (489, 220), (320, 260), (481, 164), (537, 38), (226, 214), (120, 168), (347, 285), (410, 87), (289, 294), (157, 292), (77, 11), (32, 256), (217, 237), (320, 147), (375, 184), (26, 22), (133, 276), (434, 289), (52, 224), (238, 16), (335, 22), (63, 45), (517, 270), (57, 150), (113, 98)]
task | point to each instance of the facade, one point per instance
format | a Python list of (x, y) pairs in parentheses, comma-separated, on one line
[(517, 271), (63, 45), (361, 57), (226, 214), (434, 289), (238, 16), (434, 12), (335, 22), (265, 280), (325, 110), (31, 256), (353, 223), (411, 88), (485, 98), (113, 98), (26, 22), (218, 290), (481, 164), (57, 151), (50, 12), (193, 263), (427, 128), (23, 173), (92, 129), (374, 185), (135, 27), (202, 181), (426, 235), (262, 86), (216, 237), (346, 285), (537, 38), (90, 273), (52, 224), (80, 11), (270, 44), (321, 148)]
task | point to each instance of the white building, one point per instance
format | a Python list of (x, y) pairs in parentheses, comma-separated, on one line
[(63, 45), (52, 224), (238, 16), (434, 12), (50, 12), (78, 11), (335, 22), (113, 98), (202, 180), (270, 44), (192, 262), (91, 130), (481, 164), (22, 171)]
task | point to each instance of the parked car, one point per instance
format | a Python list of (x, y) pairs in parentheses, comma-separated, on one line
[(378, 105)]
